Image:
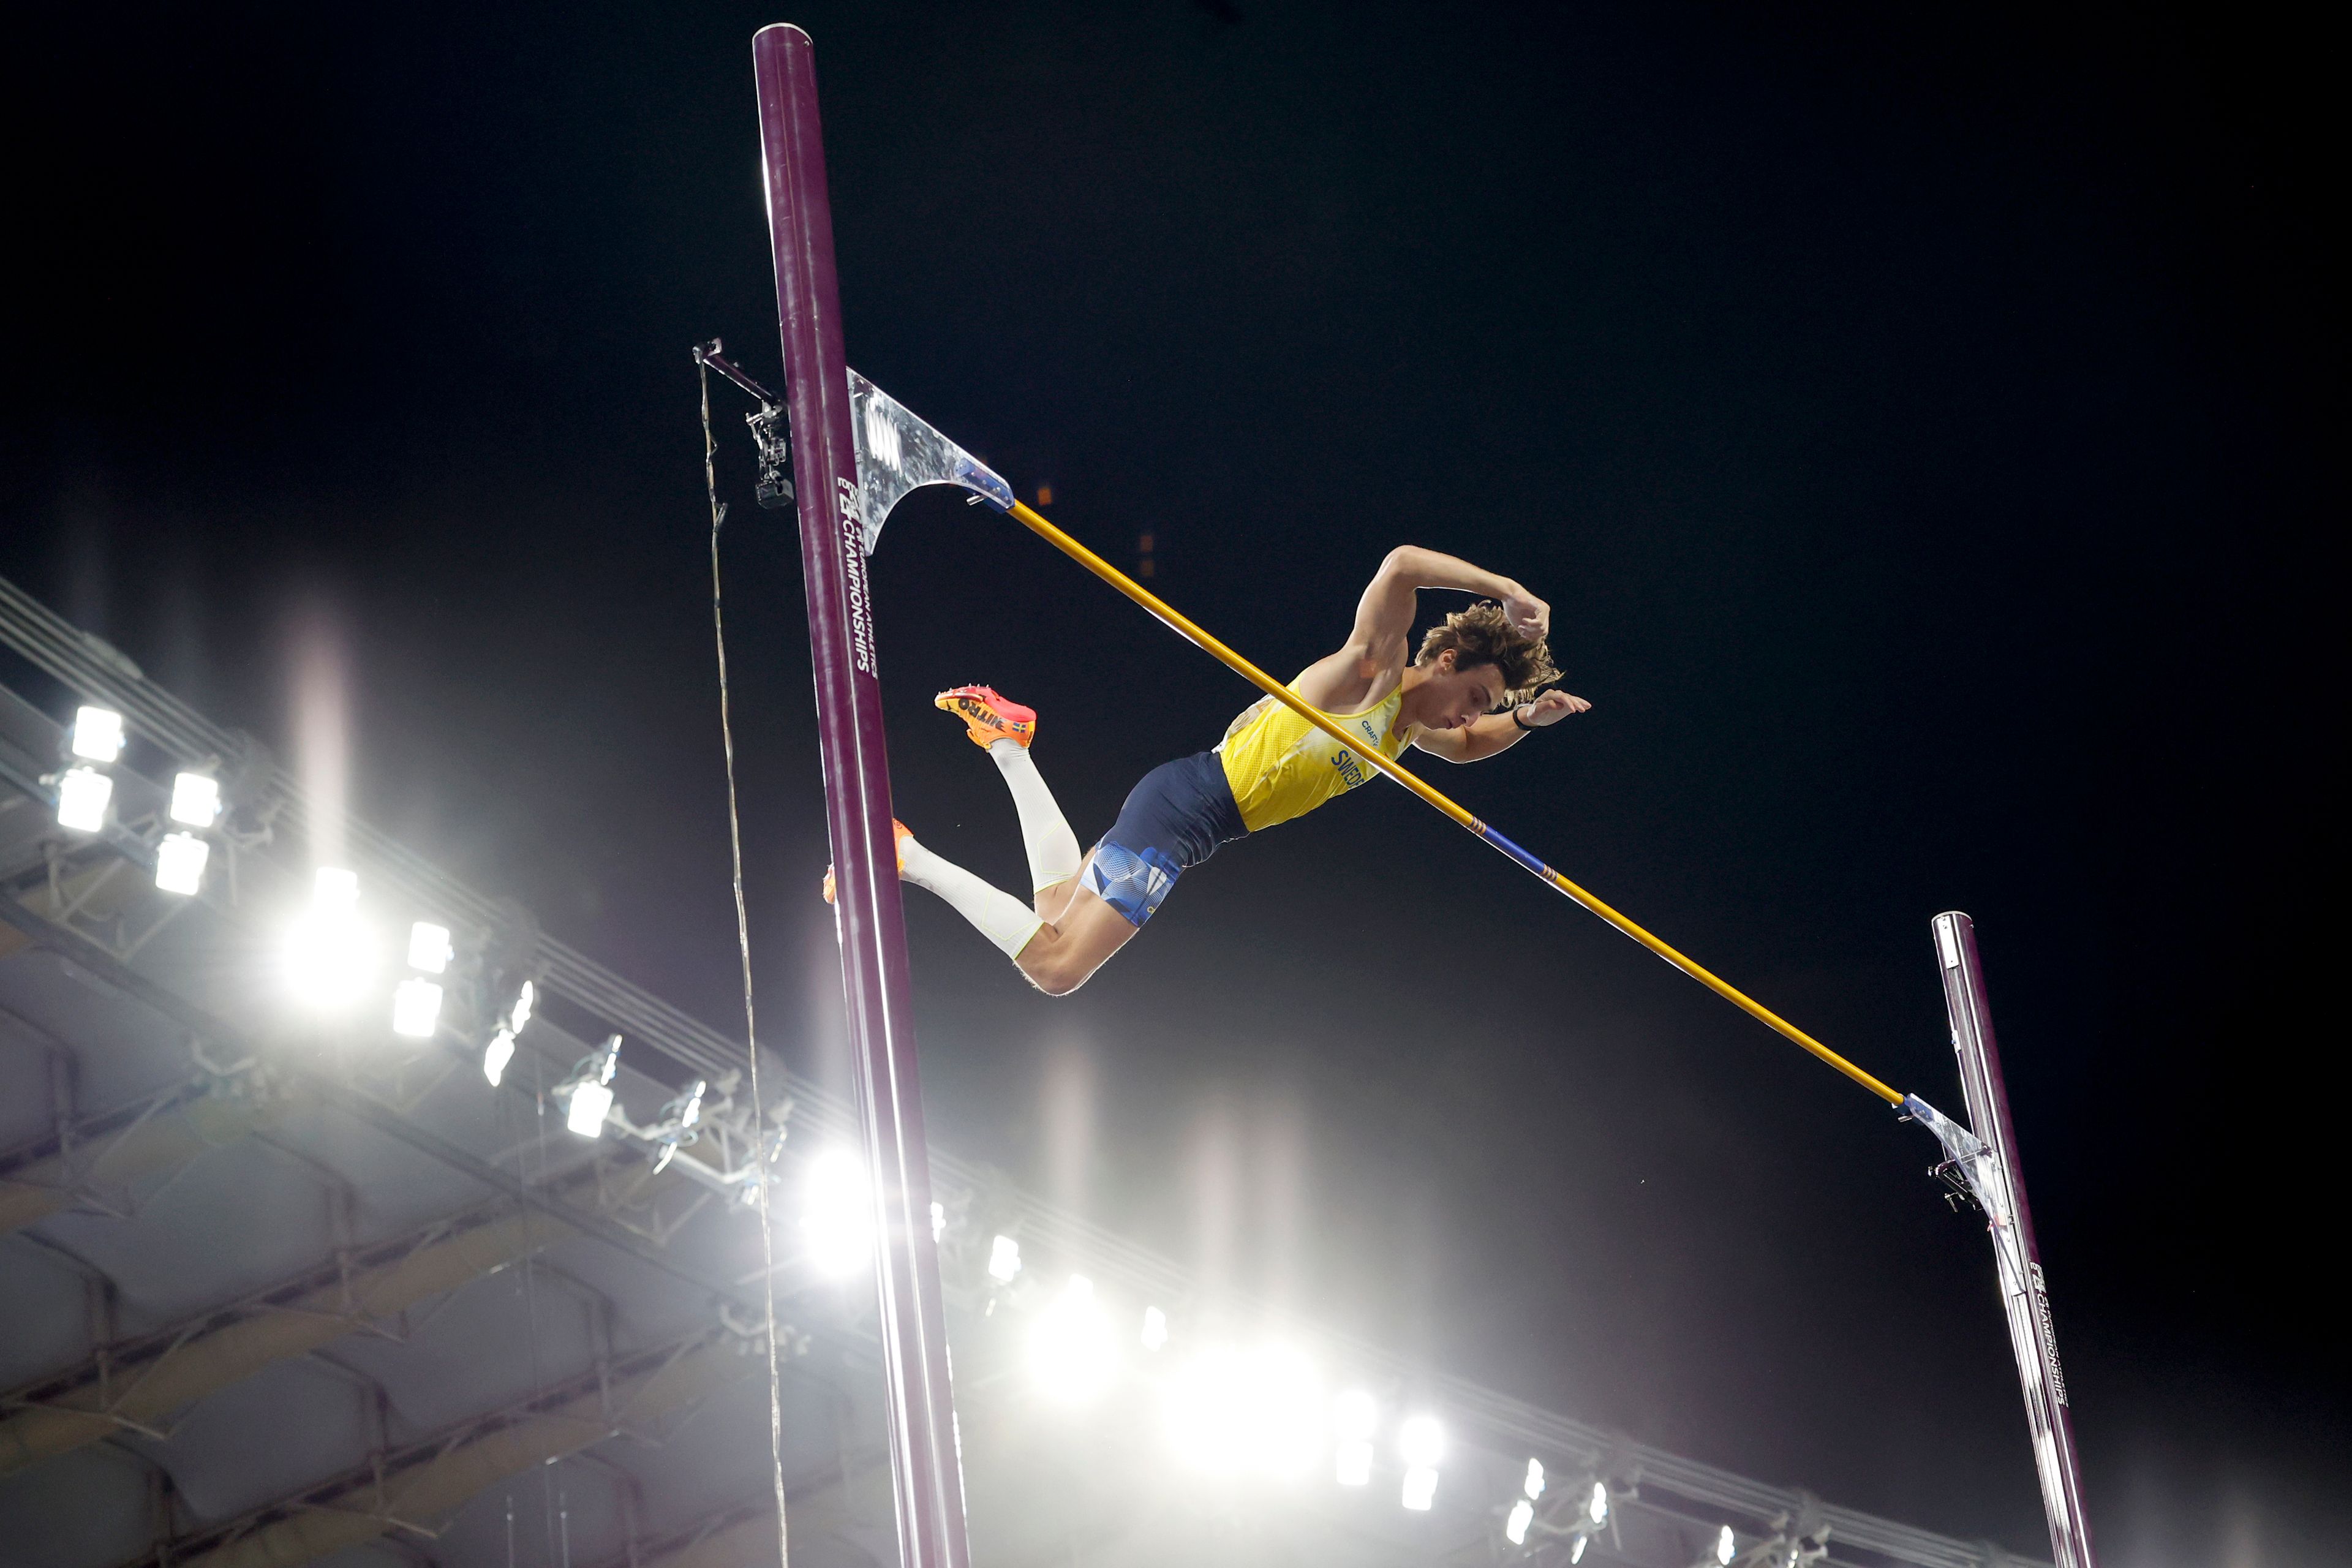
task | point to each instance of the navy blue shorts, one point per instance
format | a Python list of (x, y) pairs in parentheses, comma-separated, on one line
[(1174, 819)]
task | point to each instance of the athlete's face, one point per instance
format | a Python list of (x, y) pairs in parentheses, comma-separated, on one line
[(1454, 695)]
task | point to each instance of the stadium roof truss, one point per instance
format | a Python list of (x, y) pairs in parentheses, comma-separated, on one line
[(276, 1290)]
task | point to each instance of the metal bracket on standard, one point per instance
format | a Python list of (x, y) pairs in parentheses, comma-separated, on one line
[(898, 451)]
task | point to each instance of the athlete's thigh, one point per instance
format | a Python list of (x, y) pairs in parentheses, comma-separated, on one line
[(1050, 902), (1087, 933)]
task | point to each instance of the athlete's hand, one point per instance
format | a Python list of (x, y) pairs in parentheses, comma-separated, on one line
[(1550, 708), (1528, 615)]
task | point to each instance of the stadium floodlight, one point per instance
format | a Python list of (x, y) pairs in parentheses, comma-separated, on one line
[(428, 947), (196, 800), (590, 1089), (180, 862), (1422, 1441), (1514, 1528), (1534, 1485), (97, 734), (1354, 1418), (1726, 1546), (416, 1007), (1155, 1327), (495, 1054), (1003, 1260), (1596, 1507), (83, 794), (836, 1214), (1071, 1350), (329, 956), (591, 1103)]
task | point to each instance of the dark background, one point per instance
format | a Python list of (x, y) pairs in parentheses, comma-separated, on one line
[(1923, 428)]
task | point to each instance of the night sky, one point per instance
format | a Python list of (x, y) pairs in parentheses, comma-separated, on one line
[(1921, 428)]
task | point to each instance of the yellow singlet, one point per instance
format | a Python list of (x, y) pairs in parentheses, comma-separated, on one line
[(1280, 766)]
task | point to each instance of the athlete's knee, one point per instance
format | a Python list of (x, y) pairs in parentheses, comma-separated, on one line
[(1051, 965)]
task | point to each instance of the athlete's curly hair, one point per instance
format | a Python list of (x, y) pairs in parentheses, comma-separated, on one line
[(1483, 634)]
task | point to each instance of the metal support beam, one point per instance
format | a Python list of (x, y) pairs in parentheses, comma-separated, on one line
[(140, 1385), (134, 1144), (919, 1406), (2023, 1291), (418, 1487)]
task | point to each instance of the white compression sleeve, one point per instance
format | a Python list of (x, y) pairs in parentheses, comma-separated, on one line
[(998, 916), (1054, 852)]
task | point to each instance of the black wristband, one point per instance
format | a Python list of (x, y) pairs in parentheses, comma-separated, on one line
[(1522, 723)]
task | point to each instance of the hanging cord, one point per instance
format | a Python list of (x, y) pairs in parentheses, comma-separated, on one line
[(744, 943)]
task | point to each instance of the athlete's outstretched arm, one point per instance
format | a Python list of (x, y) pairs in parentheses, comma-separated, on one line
[(1498, 733), (1374, 655)]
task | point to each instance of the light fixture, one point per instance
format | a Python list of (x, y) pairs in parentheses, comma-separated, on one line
[(689, 1114), (1514, 1528), (180, 862), (1155, 1327), (1003, 1260), (329, 956), (938, 1221), (495, 1054), (416, 1007), (82, 797), (836, 1213), (195, 799), (1534, 1485), (1725, 1547), (97, 734), (1071, 1352), (526, 997), (1576, 1552), (1422, 1441), (1596, 1507), (592, 1091), (428, 947)]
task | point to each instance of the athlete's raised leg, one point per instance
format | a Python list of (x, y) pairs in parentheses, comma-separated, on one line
[(1068, 949), (1004, 730)]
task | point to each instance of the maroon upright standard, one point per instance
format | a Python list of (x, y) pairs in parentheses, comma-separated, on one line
[(2025, 1294), (923, 1463)]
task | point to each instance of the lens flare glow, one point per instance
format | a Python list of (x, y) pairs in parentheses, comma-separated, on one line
[(1259, 1412), (1072, 1350), (331, 955), (836, 1217)]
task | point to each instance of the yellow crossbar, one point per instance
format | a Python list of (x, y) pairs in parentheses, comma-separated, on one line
[(1183, 626)]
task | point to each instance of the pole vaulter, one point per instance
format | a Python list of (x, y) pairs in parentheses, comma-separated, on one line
[(859, 452)]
